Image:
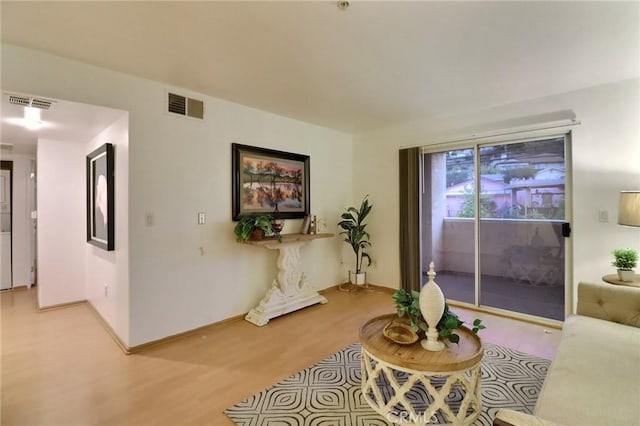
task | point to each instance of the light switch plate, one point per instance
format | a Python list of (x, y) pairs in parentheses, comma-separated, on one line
[(202, 218), (603, 216)]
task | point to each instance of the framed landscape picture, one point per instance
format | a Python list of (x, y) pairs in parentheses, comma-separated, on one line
[(266, 178), (100, 198)]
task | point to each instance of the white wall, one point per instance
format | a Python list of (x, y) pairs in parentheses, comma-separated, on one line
[(606, 159), (21, 246), (180, 166), (111, 268), (61, 222)]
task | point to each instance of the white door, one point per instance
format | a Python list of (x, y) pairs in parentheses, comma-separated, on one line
[(5, 229)]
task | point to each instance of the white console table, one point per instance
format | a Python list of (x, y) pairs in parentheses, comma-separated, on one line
[(290, 290)]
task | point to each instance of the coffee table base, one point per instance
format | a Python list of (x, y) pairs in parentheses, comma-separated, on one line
[(391, 391)]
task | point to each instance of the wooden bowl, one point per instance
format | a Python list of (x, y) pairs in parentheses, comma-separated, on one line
[(400, 333)]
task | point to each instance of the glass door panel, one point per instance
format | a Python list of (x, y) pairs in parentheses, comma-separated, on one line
[(448, 222), (522, 208)]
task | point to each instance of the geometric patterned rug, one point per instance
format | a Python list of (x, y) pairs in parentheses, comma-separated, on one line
[(328, 393)]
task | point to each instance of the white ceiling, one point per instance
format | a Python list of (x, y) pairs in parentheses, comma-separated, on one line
[(66, 121), (372, 65)]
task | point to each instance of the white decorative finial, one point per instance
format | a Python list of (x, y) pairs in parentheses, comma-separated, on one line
[(431, 306), (432, 272)]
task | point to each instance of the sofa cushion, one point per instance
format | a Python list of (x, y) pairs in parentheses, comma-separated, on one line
[(609, 302), (594, 378), (507, 417)]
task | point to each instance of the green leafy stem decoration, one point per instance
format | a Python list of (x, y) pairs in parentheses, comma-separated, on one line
[(408, 305)]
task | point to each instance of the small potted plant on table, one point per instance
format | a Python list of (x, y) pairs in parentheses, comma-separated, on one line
[(625, 260), (254, 228)]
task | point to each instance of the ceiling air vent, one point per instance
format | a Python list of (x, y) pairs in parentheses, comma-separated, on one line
[(182, 105), (28, 101)]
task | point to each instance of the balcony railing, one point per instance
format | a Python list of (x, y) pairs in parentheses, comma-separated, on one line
[(526, 250)]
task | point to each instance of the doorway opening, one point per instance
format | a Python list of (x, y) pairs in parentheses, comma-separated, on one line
[(6, 225)]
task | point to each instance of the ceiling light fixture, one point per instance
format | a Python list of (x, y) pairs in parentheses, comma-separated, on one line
[(32, 118), (342, 4), (33, 106)]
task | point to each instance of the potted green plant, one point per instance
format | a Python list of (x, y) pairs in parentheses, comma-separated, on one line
[(408, 305), (353, 229), (254, 227), (625, 260)]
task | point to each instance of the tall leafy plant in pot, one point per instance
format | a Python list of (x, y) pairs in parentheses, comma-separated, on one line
[(355, 234)]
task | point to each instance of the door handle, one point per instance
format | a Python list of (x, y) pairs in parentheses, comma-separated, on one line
[(566, 229)]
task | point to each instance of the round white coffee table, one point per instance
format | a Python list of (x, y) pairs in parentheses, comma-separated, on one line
[(410, 385)]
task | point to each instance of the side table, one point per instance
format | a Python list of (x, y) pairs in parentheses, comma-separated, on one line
[(613, 279), (410, 385), (290, 290)]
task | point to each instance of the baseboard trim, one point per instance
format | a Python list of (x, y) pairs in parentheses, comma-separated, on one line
[(369, 287), (61, 306), (130, 350), (153, 343), (123, 346), (383, 289), (22, 287), (144, 346)]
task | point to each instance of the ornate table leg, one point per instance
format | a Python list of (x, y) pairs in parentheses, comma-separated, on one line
[(289, 291), (389, 395)]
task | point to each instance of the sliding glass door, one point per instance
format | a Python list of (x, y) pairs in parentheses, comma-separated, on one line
[(493, 218)]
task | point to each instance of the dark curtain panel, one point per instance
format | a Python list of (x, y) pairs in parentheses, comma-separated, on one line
[(410, 258)]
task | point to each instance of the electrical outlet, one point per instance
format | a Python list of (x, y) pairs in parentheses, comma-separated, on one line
[(148, 219)]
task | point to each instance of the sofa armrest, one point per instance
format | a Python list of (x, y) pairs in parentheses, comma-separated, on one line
[(609, 302), (506, 417)]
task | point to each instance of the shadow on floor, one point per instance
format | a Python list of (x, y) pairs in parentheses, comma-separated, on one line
[(504, 293)]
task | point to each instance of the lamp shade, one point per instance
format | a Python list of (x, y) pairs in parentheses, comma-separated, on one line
[(629, 208)]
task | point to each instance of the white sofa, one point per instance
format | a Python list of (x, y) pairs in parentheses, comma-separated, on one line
[(594, 379)]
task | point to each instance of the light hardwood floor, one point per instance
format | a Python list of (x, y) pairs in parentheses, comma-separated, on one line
[(61, 367)]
